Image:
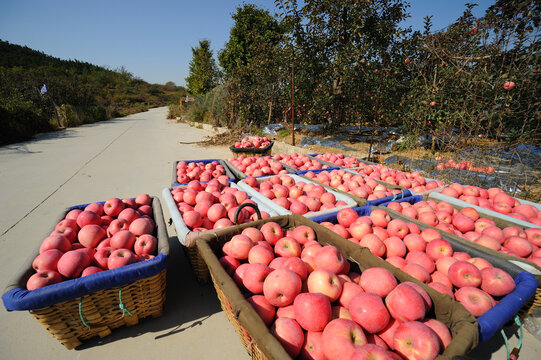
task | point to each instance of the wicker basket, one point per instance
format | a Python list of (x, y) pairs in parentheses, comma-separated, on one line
[(101, 311), (255, 335), (199, 266), (531, 305), (249, 343), (251, 151), (83, 308)]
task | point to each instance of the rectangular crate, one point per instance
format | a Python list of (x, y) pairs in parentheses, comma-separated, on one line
[(282, 211), (174, 178), (239, 175), (494, 319), (256, 337), (199, 267), (79, 309), (360, 201), (252, 151)]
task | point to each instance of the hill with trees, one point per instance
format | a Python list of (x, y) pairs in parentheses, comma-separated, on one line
[(75, 93)]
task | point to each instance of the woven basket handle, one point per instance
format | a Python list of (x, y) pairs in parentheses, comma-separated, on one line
[(242, 206)]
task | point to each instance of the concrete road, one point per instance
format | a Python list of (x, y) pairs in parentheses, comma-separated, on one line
[(122, 157)]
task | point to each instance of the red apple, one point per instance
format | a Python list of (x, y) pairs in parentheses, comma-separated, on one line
[(325, 282), (59, 242), (90, 235), (281, 287), (145, 244), (377, 280), (475, 300), (341, 337), (415, 340), (496, 282), (72, 263), (120, 257), (368, 310), (43, 278), (405, 303), (290, 335), (463, 273), (312, 311), (47, 260)]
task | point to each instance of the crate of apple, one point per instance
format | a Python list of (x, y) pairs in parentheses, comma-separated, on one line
[(300, 161), (210, 206), (95, 238), (464, 165), (243, 166), (318, 306), (497, 200), (467, 223), (252, 143), (201, 170), (297, 195), (342, 160), (355, 184), (429, 257)]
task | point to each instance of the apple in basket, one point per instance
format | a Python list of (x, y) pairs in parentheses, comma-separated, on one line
[(43, 278)]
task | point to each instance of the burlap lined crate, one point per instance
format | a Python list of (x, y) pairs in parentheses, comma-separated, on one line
[(254, 334)]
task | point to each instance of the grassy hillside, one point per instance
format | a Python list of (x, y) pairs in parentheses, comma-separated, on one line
[(77, 93)]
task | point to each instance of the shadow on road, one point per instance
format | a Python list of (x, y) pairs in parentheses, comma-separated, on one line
[(186, 301)]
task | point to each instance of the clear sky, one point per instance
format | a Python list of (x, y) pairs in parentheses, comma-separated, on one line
[(152, 39)]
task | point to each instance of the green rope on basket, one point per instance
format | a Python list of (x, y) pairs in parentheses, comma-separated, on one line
[(121, 304), (512, 355), (81, 313)]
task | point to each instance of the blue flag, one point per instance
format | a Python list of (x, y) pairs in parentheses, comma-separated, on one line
[(43, 89)]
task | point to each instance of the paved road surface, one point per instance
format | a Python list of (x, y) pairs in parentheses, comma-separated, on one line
[(121, 157)]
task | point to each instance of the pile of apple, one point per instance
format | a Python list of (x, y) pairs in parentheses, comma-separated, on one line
[(255, 142), (193, 170), (494, 199), (319, 309), (468, 224), (299, 161), (212, 205), (257, 166), (355, 184), (299, 198), (100, 237), (464, 165), (340, 160), (427, 257)]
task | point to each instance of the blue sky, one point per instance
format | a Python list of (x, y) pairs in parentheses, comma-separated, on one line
[(151, 39)]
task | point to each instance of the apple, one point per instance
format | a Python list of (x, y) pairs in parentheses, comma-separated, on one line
[(90, 270), (312, 311), (113, 207), (145, 244), (313, 346), (329, 258), (68, 231), (415, 340), (272, 232), (116, 225), (90, 235), (47, 260), (346, 217), (281, 287), (229, 263), (143, 199), (405, 303), (368, 310), (87, 218), (378, 280), (290, 335), (254, 277), (325, 282), (496, 282), (463, 273), (374, 243), (438, 249), (296, 265), (441, 330), (72, 263), (101, 257), (475, 300), (123, 239), (341, 337), (415, 242), (43, 278), (59, 242), (395, 247), (265, 310), (253, 233), (380, 217), (287, 247), (260, 254), (120, 257)]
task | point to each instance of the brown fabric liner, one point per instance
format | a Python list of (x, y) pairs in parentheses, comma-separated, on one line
[(25, 271), (462, 324)]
